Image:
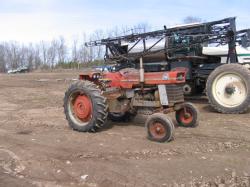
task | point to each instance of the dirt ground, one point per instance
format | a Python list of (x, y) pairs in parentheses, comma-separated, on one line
[(37, 148)]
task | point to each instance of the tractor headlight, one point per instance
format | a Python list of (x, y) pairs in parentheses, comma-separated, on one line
[(96, 76)]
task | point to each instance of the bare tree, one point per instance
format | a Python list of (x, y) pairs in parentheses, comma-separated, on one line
[(2, 59), (74, 51), (30, 57), (52, 53), (85, 53), (98, 51), (114, 32), (61, 49), (37, 58), (12, 52), (142, 27), (191, 19), (44, 51)]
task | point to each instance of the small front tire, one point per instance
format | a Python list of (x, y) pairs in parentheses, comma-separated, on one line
[(160, 128), (187, 116)]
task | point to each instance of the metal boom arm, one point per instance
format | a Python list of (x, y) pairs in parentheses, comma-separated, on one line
[(221, 32)]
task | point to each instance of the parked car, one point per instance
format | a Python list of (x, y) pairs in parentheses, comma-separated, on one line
[(19, 70)]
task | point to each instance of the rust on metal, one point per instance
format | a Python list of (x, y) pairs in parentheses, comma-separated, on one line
[(83, 108), (157, 130)]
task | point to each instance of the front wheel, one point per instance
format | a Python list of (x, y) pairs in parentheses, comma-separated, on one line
[(228, 89), (187, 116), (160, 128)]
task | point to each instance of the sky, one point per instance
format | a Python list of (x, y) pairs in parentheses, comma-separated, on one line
[(36, 20)]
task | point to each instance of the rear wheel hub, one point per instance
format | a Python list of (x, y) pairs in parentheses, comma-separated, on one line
[(229, 90), (83, 107)]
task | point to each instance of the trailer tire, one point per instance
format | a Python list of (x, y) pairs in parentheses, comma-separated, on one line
[(228, 89), (85, 108)]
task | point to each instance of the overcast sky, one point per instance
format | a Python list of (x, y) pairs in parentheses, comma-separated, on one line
[(36, 20)]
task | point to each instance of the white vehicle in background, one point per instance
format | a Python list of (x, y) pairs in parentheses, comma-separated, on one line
[(19, 70), (243, 53)]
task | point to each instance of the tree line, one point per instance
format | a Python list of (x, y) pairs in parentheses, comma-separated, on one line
[(44, 55), (59, 52)]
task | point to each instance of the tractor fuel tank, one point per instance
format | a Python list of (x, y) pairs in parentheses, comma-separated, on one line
[(130, 78)]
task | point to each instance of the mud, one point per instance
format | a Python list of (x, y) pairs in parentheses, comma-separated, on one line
[(37, 148)]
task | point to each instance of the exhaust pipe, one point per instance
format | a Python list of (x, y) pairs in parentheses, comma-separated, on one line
[(142, 71)]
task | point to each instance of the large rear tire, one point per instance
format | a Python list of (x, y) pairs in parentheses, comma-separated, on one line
[(228, 89), (85, 107)]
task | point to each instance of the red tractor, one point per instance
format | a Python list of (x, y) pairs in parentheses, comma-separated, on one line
[(119, 96)]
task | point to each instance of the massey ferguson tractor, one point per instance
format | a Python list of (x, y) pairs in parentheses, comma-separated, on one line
[(120, 95)]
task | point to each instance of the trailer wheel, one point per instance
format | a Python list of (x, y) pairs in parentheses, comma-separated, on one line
[(228, 89), (84, 106), (160, 128), (187, 116)]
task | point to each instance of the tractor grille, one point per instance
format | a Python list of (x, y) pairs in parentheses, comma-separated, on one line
[(175, 94)]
